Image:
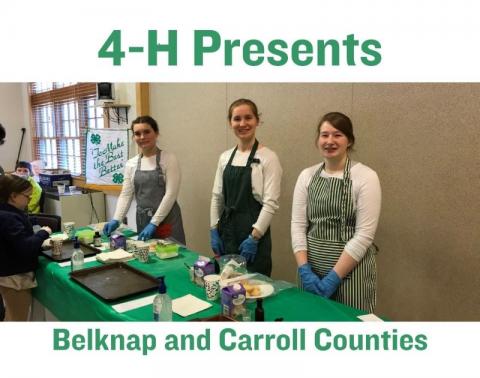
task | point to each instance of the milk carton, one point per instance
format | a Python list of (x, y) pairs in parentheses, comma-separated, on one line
[(233, 300), (202, 267), (118, 241)]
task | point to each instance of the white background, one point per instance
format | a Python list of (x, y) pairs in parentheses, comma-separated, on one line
[(422, 41), (452, 352)]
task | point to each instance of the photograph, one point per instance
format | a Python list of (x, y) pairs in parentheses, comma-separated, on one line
[(323, 201)]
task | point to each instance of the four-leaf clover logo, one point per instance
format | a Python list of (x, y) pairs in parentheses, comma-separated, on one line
[(95, 139), (118, 178)]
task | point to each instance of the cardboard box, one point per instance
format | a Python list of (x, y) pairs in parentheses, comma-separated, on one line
[(51, 178)]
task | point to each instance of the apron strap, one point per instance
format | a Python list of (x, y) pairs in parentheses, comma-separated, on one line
[(344, 200), (159, 151), (140, 156), (250, 157)]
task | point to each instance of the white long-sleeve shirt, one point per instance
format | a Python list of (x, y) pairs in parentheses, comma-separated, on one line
[(367, 199), (171, 171), (266, 180)]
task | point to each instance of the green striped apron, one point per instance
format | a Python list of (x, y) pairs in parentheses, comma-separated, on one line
[(332, 219)]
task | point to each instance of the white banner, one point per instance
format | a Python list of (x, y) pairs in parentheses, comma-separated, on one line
[(254, 41), (239, 350), (106, 155)]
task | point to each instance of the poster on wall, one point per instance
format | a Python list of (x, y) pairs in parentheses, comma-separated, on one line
[(106, 155)]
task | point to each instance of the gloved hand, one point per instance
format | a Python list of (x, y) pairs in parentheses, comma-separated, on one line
[(147, 232), (110, 227), (216, 242), (312, 282), (309, 278), (248, 248)]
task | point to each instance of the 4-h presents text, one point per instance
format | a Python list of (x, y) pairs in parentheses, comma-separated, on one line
[(349, 51)]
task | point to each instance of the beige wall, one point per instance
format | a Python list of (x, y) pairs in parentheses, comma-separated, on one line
[(14, 114), (423, 141)]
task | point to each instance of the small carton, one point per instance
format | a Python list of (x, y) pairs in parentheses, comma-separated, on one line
[(202, 267), (233, 300), (118, 241)]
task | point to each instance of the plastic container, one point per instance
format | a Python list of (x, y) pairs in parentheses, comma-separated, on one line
[(77, 257), (162, 303), (232, 266), (166, 251), (85, 236)]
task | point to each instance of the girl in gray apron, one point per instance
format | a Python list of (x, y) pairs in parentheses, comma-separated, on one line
[(150, 189), (332, 220)]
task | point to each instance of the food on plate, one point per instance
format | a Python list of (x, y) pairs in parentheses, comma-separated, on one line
[(251, 289)]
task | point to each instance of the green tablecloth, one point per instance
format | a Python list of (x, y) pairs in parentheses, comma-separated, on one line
[(71, 302)]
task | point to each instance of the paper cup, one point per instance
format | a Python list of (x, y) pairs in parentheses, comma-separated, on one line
[(141, 254), (56, 246), (212, 286), (61, 188), (69, 228), (131, 246)]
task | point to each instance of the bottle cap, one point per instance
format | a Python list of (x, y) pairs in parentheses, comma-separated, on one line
[(97, 234), (162, 288)]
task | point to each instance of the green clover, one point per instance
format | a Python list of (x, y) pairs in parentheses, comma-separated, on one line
[(118, 178), (95, 139)]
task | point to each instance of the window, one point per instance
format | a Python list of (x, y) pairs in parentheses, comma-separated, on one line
[(61, 115)]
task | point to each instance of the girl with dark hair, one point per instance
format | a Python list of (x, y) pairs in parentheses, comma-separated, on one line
[(19, 247), (335, 211), (245, 193), (153, 177)]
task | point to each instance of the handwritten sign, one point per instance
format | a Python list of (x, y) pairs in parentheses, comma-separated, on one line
[(107, 153)]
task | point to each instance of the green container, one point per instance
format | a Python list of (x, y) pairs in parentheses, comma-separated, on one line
[(85, 236)]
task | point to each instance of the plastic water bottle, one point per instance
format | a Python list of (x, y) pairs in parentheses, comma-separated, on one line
[(162, 304), (77, 256)]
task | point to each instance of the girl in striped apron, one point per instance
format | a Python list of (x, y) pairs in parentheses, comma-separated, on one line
[(335, 213)]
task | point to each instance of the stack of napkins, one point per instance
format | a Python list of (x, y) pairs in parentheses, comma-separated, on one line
[(119, 255)]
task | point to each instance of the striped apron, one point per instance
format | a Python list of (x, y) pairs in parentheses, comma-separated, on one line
[(331, 216)]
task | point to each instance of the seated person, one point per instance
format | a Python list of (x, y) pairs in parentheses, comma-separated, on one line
[(24, 169)]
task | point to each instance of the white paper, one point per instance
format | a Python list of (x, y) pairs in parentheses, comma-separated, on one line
[(136, 303), (188, 305), (369, 318), (67, 263)]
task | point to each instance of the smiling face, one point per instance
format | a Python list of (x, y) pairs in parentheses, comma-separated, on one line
[(145, 136), (332, 143), (244, 123)]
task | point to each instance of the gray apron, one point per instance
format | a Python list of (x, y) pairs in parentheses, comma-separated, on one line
[(332, 219), (150, 189)]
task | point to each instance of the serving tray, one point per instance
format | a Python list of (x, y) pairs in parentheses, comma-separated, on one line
[(67, 251), (114, 281)]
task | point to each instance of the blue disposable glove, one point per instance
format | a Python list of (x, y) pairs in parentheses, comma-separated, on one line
[(110, 227), (312, 283), (147, 232), (216, 242), (248, 248)]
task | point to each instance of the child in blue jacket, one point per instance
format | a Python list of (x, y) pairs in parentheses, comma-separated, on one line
[(19, 247)]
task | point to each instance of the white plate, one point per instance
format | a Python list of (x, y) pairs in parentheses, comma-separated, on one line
[(266, 289)]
